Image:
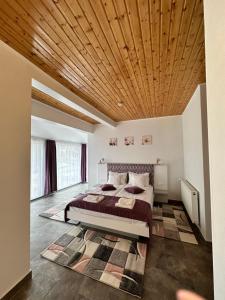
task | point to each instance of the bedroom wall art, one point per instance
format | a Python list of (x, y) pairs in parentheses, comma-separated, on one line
[(129, 140), (146, 140), (113, 142)]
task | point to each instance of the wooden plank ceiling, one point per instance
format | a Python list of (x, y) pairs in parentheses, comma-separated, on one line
[(147, 54)]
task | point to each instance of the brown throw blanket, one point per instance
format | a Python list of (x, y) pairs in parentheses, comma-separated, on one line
[(141, 210)]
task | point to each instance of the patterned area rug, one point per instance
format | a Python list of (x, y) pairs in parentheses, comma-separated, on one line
[(170, 221), (57, 213), (115, 261)]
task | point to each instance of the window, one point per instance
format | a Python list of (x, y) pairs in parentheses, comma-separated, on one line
[(68, 164), (37, 167)]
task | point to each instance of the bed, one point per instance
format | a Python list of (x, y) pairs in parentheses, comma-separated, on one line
[(130, 222)]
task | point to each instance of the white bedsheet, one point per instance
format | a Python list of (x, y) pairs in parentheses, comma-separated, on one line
[(147, 195), (98, 190)]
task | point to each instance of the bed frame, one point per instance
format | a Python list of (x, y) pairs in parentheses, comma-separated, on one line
[(136, 228)]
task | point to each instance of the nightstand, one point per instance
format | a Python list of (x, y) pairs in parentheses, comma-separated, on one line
[(102, 173), (161, 196)]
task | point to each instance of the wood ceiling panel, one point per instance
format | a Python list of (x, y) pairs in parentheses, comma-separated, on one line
[(46, 99), (149, 54)]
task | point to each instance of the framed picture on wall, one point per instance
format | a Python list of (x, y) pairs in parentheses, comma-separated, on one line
[(129, 140), (146, 140), (113, 142)]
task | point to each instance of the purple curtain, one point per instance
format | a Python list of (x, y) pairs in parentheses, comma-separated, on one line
[(83, 163), (50, 168)]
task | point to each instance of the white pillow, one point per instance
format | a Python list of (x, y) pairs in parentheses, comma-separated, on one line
[(123, 178), (141, 180), (117, 178), (114, 178)]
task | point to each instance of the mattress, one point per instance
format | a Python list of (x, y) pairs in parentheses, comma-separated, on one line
[(147, 196), (102, 215)]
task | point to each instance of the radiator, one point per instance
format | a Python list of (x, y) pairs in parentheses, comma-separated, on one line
[(189, 196)]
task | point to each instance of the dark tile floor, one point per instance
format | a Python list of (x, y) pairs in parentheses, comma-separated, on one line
[(170, 265)]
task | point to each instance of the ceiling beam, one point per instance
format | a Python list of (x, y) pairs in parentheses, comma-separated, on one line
[(46, 112), (53, 88), (46, 99)]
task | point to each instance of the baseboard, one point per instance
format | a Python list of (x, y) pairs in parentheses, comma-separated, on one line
[(13, 291)]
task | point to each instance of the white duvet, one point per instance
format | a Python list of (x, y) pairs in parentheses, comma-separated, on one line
[(147, 195), (98, 190)]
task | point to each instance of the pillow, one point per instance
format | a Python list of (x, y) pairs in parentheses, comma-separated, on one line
[(117, 178), (134, 189), (139, 179), (123, 178), (114, 178), (108, 187)]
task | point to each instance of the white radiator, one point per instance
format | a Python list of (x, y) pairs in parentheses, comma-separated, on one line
[(189, 196)]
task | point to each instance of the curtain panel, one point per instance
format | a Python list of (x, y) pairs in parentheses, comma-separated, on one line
[(50, 167), (37, 180), (83, 169)]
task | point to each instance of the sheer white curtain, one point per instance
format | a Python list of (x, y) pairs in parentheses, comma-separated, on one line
[(68, 164), (37, 167)]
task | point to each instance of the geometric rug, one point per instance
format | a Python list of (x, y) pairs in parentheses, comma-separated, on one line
[(57, 213), (170, 221), (115, 261)]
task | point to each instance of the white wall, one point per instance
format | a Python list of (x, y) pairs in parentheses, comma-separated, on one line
[(16, 76), (55, 131), (215, 79), (195, 144), (167, 145), (15, 95)]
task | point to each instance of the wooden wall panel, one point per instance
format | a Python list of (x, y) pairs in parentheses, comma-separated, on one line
[(148, 54)]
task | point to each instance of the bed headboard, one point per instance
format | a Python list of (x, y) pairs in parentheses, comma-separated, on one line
[(136, 168)]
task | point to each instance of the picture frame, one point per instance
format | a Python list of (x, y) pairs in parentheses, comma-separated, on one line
[(113, 141), (146, 140), (129, 140)]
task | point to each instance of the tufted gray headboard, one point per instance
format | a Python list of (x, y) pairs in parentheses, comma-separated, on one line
[(136, 168)]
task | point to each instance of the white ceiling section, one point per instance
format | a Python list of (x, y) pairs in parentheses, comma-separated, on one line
[(55, 131)]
